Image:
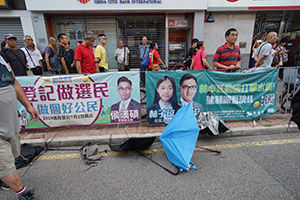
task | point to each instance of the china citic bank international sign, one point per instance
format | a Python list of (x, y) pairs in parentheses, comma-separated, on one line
[(83, 1)]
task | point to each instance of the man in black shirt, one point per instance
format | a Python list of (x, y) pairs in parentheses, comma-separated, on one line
[(63, 41), (14, 56)]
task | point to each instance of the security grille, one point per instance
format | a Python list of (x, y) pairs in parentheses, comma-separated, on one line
[(13, 26)]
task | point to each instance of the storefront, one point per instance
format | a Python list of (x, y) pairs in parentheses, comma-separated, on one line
[(285, 23), (249, 17), (162, 21)]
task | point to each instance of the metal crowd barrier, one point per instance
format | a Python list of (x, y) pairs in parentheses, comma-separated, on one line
[(286, 89)]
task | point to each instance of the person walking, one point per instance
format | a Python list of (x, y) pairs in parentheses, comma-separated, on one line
[(33, 56), (228, 56), (10, 91), (199, 61), (101, 54), (122, 57), (154, 58)]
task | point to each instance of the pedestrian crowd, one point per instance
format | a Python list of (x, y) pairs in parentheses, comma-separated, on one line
[(61, 60), (87, 58)]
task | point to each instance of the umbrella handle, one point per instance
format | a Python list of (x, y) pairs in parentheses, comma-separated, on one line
[(173, 173), (217, 151)]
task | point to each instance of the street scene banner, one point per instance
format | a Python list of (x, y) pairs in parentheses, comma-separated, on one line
[(232, 96), (72, 100)]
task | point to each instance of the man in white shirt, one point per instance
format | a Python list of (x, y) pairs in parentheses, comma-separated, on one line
[(127, 109), (264, 51), (122, 57), (33, 56)]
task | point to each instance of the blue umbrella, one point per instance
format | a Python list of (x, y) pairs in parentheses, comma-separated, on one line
[(180, 136)]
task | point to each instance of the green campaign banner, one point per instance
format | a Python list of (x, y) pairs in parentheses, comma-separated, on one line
[(232, 96), (81, 99)]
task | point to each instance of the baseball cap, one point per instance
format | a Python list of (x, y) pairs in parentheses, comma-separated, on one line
[(9, 35)]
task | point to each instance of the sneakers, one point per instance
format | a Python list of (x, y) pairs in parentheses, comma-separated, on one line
[(27, 196), (3, 186)]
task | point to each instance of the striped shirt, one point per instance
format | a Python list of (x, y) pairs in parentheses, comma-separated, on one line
[(226, 56)]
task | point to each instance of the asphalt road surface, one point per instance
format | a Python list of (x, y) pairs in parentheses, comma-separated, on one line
[(255, 167)]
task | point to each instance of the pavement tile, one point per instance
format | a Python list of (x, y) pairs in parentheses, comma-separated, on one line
[(36, 136), (27, 136), (139, 128)]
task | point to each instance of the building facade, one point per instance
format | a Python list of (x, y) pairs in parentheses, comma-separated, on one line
[(170, 23)]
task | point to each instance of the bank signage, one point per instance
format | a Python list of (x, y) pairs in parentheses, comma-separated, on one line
[(83, 1), (115, 5), (219, 5), (127, 1), (178, 23)]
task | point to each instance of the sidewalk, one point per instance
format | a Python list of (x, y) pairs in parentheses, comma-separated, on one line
[(109, 134)]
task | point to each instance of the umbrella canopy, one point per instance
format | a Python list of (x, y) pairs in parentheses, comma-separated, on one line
[(134, 144), (211, 123), (180, 136)]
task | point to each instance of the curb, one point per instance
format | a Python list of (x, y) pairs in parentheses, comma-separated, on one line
[(119, 138)]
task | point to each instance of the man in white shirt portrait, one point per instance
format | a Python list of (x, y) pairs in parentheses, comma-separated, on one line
[(127, 109), (188, 88)]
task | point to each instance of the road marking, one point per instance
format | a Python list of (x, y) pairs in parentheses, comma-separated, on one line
[(251, 144), (152, 151)]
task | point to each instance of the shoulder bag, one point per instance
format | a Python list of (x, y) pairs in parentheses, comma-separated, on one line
[(201, 59), (277, 61), (121, 66), (56, 65), (37, 70), (284, 56), (145, 63), (155, 67)]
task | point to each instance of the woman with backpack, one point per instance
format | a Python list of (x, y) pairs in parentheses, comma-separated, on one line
[(199, 61)]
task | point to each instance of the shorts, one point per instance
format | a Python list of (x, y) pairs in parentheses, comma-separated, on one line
[(9, 121), (9, 150)]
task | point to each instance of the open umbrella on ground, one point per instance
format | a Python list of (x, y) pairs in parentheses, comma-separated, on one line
[(134, 144), (179, 138), (211, 123)]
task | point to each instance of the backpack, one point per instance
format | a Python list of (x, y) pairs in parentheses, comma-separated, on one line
[(145, 62), (7, 77), (276, 60), (90, 154), (56, 64), (284, 56), (189, 57), (27, 154)]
